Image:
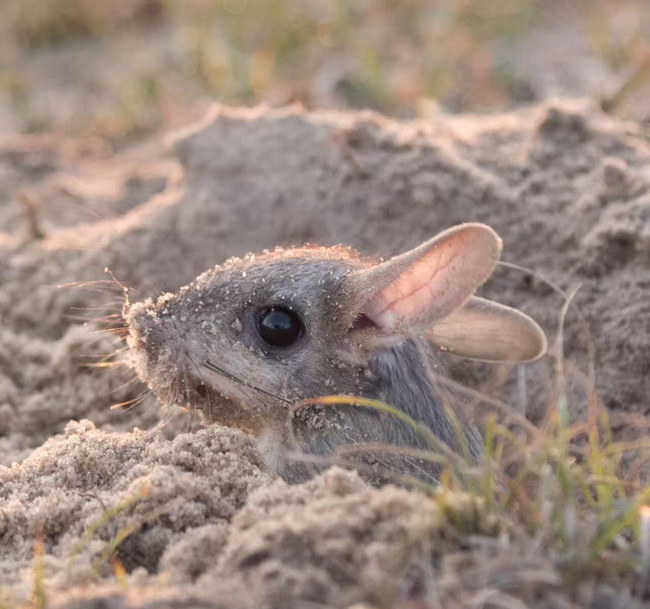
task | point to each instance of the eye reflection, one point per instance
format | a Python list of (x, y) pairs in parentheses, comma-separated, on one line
[(279, 327)]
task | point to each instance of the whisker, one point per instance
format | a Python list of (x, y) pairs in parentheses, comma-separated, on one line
[(174, 401), (106, 289), (122, 330), (186, 385), (143, 395), (104, 365), (144, 291), (107, 319), (211, 366), (156, 290), (83, 284), (103, 308), (103, 357), (140, 292), (207, 388), (135, 403), (98, 340), (126, 384), (169, 419)]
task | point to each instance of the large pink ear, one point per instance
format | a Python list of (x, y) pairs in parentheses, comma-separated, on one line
[(425, 285), (491, 332)]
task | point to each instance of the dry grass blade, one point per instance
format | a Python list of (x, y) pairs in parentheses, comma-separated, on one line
[(345, 400), (108, 515), (39, 594)]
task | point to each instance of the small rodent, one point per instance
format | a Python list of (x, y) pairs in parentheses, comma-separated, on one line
[(254, 335)]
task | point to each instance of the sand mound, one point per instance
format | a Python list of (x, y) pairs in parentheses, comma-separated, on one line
[(80, 491), (567, 188), (332, 541)]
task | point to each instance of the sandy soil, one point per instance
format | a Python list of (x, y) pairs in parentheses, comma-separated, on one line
[(565, 186)]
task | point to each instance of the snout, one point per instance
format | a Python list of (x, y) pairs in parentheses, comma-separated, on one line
[(150, 336)]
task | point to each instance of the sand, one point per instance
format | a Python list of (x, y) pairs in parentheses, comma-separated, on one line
[(564, 185)]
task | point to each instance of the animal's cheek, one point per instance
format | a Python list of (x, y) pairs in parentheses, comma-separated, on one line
[(352, 353)]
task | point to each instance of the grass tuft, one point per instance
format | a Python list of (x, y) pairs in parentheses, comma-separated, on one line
[(394, 57), (565, 490)]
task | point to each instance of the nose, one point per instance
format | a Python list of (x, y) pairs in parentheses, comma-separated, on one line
[(148, 332)]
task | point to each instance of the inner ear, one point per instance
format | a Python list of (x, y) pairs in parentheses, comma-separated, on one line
[(362, 322), (428, 283)]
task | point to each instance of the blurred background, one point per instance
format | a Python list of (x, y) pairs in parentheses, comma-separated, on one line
[(120, 69)]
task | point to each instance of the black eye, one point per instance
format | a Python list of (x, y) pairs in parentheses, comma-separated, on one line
[(279, 327)]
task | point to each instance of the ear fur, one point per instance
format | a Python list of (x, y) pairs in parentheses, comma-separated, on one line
[(423, 286), (489, 331)]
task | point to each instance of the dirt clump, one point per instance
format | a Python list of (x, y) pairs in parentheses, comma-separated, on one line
[(81, 491)]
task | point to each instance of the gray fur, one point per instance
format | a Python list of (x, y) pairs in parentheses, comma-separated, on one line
[(213, 320)]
